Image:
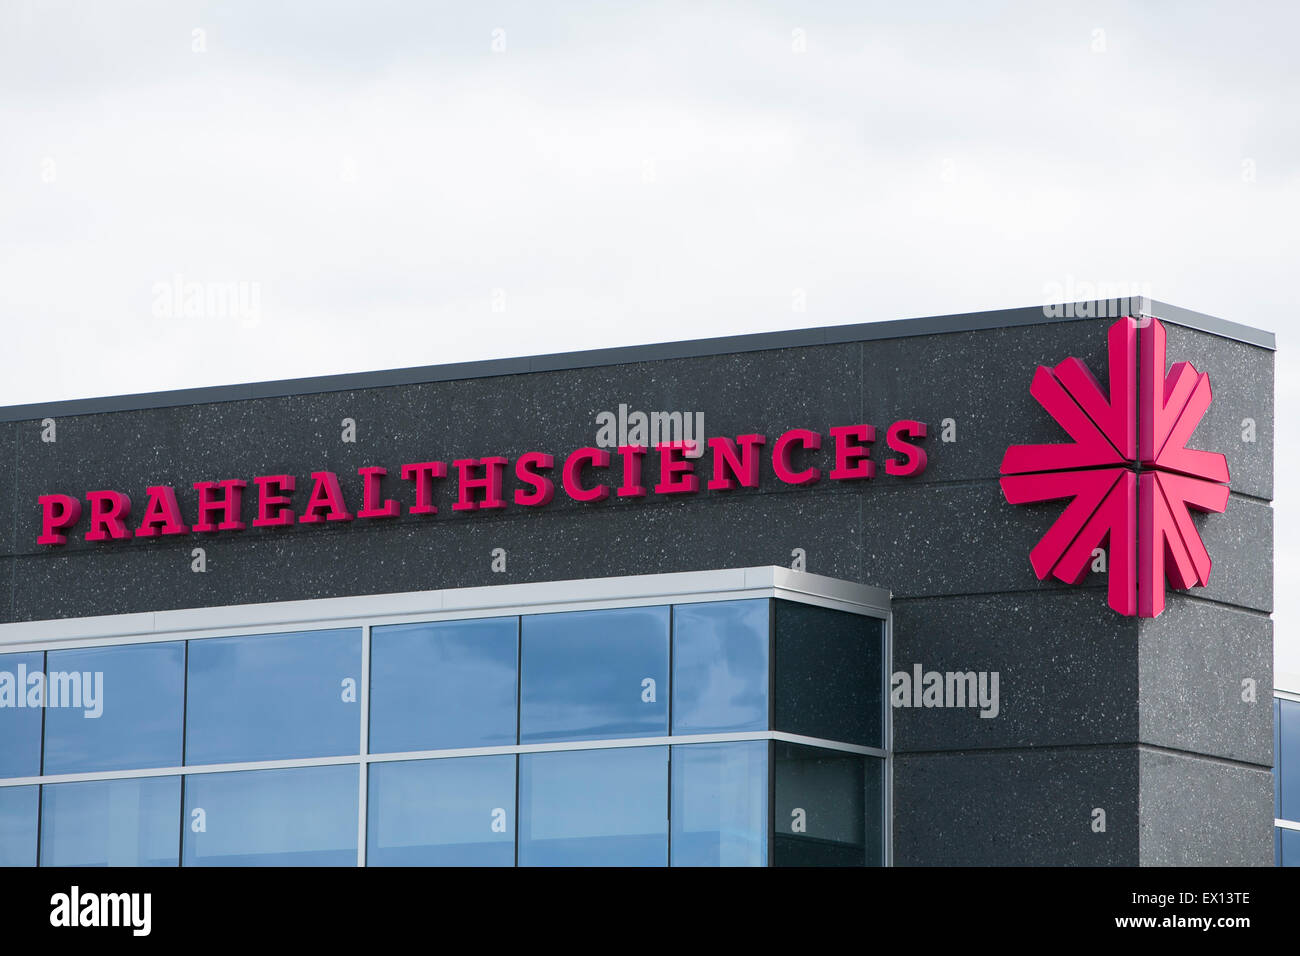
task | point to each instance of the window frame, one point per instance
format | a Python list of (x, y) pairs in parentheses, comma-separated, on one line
[(508, 600)]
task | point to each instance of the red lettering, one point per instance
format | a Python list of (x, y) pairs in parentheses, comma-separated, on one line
[(527, 470), (672, 464), (743, 467), (852, 460), (273, 509), (781, 452), (914, 459), (227, 505), (162, 515), (370, 506), (490, 483), (108, 511), (632, 455), (423, 473), (573, 465), (58, 513), (326, 496)]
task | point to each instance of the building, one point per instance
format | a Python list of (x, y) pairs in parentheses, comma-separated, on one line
[(1286, 770), (987, 588)]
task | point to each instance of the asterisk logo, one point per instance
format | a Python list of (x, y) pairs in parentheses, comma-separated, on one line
[(1129, 471)]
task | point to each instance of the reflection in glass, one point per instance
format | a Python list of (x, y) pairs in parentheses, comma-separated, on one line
[(20, 724), (132, 822), (306, 816), (829, 807), (829, 674), (446, 812), (719, 811), (720, 667), (594, 808), (595, 674), (1289, 762), (274, 697), (442, 686), (18, 809), (140, 698)]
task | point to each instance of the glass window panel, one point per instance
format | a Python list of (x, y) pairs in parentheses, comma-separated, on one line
[(306, 816), (828, 807), (274, 697), (719, 812), (1277, 756), (446, 685), (1291, 847), (829, 674), (720, 667), (447, 812), (132, 822), (19, 807), (1289, 764), (594, 808), (139, 694), (594, 674), (20, 725)]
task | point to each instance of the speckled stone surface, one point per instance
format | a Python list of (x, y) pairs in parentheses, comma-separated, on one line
[(1016, 808), (1080, 688), (1192, 662), (1197, 812)]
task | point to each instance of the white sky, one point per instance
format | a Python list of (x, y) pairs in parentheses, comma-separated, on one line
[(627, 173)]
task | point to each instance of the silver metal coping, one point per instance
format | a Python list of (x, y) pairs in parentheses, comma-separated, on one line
[(447, 604), (1286, 685)]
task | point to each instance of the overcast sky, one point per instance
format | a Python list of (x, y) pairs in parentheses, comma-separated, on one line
[(409, 183)]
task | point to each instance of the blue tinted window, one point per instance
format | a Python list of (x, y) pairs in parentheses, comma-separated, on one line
[(594, 808), (132, 822), (594, 674), (1289, 764), (301, 817), (274, 697), (20, 725), (18, 810), (448, 812), (719, 815), (1291, 847), (1277, 758), (446, 685), (720, 667), (138, 693)]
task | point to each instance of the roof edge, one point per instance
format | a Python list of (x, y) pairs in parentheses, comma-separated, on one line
[(691, 348)]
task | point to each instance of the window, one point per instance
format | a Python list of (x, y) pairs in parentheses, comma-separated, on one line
[(1288, 762), (829, 674), (594, 808), (306, 816), (824, 799), (20, 723), (129, 822), (441, 686), (131, 713), (719, 808), (595, 674), (720, 666), (18, 811), (446, 812), (274, 697)]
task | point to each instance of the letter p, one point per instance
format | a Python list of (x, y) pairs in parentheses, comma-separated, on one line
[(58, 512)]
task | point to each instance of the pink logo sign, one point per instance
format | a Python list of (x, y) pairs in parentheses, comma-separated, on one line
[(1129, 471)]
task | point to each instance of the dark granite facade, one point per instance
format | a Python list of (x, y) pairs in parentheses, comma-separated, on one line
[(1144, 719)]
